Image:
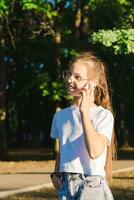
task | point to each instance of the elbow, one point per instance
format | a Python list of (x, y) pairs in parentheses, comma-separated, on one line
[(93, 156), (93, 153)]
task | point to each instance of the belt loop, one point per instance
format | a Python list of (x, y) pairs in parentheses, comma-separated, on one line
[(83, 177)]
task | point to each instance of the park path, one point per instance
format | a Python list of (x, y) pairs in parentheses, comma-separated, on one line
[(36, 179)]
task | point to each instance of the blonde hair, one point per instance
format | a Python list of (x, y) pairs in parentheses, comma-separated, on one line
[(102, 97)]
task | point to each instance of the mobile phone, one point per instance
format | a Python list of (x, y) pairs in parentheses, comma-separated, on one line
[(89, 85)]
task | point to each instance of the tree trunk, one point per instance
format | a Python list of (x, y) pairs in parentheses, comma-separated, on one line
[(3, 145), (121, 104), (81, 25)]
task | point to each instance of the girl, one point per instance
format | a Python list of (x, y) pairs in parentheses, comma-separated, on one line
[(85, 133)]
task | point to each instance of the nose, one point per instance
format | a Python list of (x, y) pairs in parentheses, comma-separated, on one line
[(71, 79)]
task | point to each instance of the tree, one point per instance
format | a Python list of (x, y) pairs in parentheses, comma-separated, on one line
[(118, 42), (39, 38), (2, 81)]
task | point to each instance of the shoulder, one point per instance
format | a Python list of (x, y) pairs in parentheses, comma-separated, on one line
[(62, 112), (104, 113)]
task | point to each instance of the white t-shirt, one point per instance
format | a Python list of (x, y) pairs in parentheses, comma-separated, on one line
[(67, 126)]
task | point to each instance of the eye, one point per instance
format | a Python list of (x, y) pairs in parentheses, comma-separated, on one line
[(77, 77)]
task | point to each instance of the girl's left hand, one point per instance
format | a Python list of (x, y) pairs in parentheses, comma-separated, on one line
[(87, 98)]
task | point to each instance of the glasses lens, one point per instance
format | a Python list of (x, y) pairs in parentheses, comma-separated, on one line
[(65, 75)]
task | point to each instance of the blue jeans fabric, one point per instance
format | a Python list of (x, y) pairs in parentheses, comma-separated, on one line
[(80, 187)]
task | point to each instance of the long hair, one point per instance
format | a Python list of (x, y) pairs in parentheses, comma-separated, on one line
[(102, 97)]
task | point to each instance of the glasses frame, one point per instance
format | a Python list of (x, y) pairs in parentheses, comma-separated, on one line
[(66, 79)]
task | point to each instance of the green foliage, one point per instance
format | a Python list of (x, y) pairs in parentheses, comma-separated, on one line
[(34, 66), (67, 52), (3, 8), (55, 90), (59, 91), (95, 3), (40, 81), (121, 41), (39, 6), (128, 19)]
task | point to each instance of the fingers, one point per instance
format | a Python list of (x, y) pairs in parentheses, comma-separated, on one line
[(87, 92), (83, 93), (88, 89), (57, 182)]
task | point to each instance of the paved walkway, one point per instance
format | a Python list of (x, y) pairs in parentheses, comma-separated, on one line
[(30, 180)]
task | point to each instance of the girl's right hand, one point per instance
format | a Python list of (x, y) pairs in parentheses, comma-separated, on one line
[(56, 181)]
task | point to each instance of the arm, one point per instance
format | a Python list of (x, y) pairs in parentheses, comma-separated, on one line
[(55, 176), (57, 162), (95, 143)]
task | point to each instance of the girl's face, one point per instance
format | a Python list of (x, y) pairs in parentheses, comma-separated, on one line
[(78, 78)]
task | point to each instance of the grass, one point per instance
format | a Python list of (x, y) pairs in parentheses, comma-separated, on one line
[(122, 188), (12, 167), (44, 194)]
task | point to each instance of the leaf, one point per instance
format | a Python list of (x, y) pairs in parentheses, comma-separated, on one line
[(3, 8), (120, 40)]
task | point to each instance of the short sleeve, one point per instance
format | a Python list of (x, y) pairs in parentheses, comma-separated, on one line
[(54, 130), (105, 124)]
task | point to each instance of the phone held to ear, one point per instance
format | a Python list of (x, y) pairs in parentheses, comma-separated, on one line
[(89, 85)]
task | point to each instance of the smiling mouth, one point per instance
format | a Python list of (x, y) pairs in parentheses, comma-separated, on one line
[(71, 88)]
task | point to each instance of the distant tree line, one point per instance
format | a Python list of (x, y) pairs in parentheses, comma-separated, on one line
[(37, 40)]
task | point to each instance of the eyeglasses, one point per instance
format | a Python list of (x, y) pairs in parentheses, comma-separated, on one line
[(66, 74)]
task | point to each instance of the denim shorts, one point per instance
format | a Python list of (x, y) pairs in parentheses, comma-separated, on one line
[(83, 187)]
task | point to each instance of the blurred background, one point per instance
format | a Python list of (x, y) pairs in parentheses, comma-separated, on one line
[(37, 40)]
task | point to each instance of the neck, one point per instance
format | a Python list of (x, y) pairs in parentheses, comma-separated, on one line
[(77, 101)]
